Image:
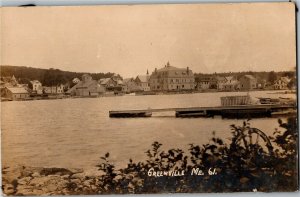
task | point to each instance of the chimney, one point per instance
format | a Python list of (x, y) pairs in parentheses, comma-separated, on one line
[(147, 72), (187, 70), (155, 70)]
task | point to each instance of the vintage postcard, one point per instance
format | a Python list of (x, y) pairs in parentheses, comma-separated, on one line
[(143, 99)]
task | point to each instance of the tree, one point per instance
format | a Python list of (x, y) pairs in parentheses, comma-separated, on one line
[(292, 83), (272, 77)]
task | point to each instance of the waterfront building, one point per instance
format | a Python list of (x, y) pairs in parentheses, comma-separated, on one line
[(248, 82), (142, 81), (131, 85), (37, 87), (87, 87), (220, 82), (14, 93), (207, 82), (108, 83), (114, 83), (281, 83), (59, 89), (231, 84), (171, 78)]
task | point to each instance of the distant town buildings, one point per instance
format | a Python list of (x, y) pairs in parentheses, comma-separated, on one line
[(59, 89), (206, 82), (142, 81), (171, 78), (113, 84), (15, 93), (166, 79), (220, 82), (87, 87), (248, 82), (131, 86), (37, 87), (281, 83), (9, 81)]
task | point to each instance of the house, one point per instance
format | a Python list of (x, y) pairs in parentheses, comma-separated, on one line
[(171, 78), (131, 85), (281, 83), (114, 83), (87, 87), (108, 83), (37, 87), (9, 81), (59, 89), (248, 82), (142, 81), (231, 84), (220, 82), (207, 82), (14, 93)]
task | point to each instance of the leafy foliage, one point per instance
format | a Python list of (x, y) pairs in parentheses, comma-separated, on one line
[(237, 166)]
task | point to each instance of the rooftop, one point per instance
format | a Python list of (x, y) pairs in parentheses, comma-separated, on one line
[(143, 78), (17, 90)]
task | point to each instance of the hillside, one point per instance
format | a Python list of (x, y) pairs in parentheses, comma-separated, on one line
[(47, 77)]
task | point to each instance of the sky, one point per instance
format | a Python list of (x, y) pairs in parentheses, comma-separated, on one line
[(129, 40)]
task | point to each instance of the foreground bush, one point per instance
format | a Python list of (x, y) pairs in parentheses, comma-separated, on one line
[(250, 162)]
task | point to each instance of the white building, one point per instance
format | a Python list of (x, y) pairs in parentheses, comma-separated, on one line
[(37, 86)]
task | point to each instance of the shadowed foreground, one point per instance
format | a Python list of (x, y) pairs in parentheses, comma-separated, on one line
[(251, 161)]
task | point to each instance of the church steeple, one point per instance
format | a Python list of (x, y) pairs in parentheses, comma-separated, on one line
[(147, 72)]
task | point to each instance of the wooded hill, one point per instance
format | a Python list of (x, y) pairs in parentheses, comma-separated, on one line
[(48, 77)]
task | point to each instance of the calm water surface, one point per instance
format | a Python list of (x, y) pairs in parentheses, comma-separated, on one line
[(76, 132)]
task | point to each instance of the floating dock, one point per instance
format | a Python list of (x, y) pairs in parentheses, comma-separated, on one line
[(238, 111)]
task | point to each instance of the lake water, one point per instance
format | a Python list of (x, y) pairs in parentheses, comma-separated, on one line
[(76, 132)]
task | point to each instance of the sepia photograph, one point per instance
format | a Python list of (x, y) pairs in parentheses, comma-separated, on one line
[(149, 99)]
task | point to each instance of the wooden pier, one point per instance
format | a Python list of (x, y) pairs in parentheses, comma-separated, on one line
[(239, 111)]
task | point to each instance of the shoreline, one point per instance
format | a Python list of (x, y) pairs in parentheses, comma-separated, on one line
[(56, 97), (28, 181)]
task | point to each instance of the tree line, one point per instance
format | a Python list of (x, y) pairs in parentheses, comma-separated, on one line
[(269, 76), (48, 77)]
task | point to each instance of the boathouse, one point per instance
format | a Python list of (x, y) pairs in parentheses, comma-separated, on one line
[(86, 87), (15, 93)]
